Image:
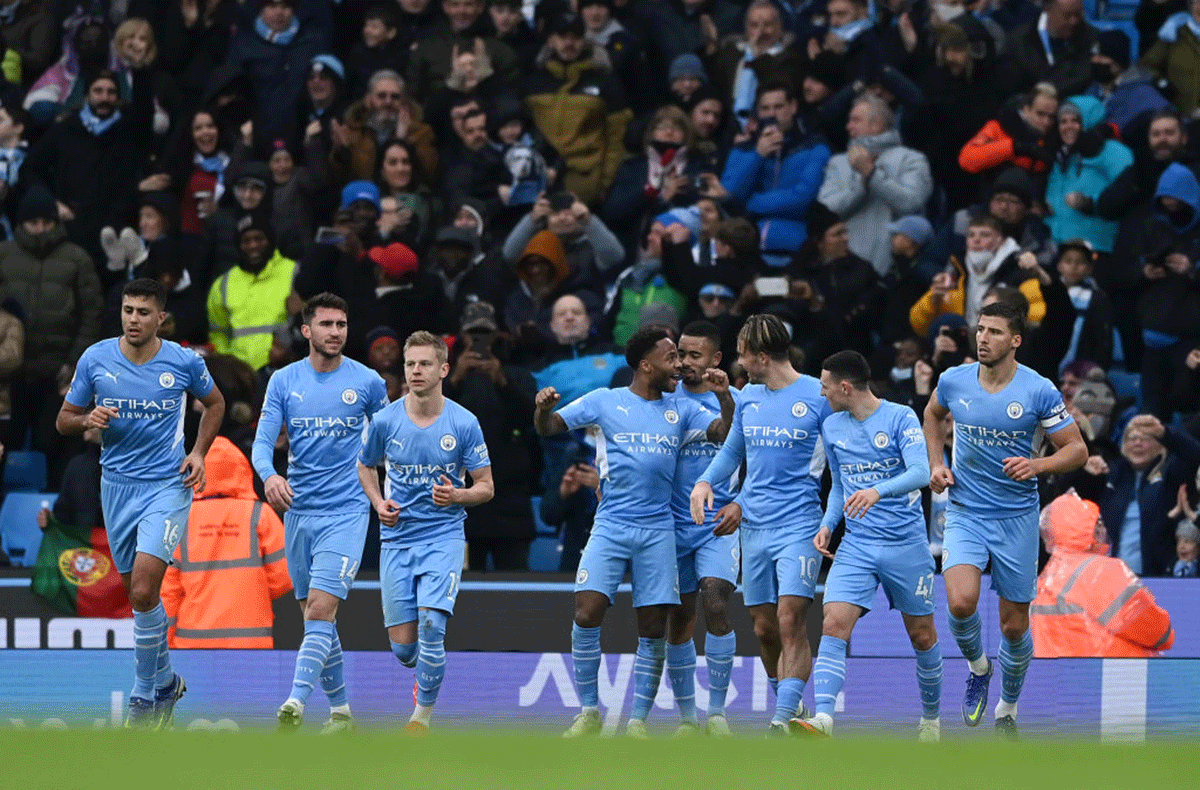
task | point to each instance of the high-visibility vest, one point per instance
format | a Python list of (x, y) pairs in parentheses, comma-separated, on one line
[(245, 310), (230, 564), (1088, 605)]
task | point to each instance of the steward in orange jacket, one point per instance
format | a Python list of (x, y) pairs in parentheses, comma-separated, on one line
[(1088, 604), (230, 565), (1023, 133)]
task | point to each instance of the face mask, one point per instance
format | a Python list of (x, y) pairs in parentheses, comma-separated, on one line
[(979, 260), (1102, 73), (902, 374), (948, 12)]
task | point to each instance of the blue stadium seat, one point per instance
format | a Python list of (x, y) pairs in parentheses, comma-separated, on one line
[(1126, 385), (1116, 9), (25, 470), (19, 533), (541, 526), (545, 554)]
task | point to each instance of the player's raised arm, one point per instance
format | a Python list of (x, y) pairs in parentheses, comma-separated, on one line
[(545, 421), (940, 475), (718, 429)]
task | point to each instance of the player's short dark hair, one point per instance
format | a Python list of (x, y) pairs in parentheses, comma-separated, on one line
[(849, 366), (1009, 312), (642, 342), (705, 329), (145, 288), (1010, 296), (323, 299), (765, 334)]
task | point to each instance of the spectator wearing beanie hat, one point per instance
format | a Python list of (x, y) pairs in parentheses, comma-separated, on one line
[(1131, 96), (685, 77), (624, 49), (405, 299), (249, 303), (325, 97), (55, 282)]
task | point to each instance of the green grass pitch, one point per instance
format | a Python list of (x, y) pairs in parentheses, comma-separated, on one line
[(529, 761)]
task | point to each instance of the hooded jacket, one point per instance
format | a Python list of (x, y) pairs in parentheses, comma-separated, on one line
[(230, 566), (245, 309), (429, 65), (56, 285), (1178, 60), (1088, 168), (1088, 605), (356, 161), (582, 111)]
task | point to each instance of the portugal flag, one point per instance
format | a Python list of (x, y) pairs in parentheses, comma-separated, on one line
[(75, 572)]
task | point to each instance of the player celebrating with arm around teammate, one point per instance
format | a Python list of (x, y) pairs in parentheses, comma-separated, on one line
[(638, 435), (428, 444), (776, 430), (997, 405), (134, 389), (708, 563), (879, 464), (324, 401)]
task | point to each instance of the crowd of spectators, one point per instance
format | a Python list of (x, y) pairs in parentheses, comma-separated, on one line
[(536, 180)]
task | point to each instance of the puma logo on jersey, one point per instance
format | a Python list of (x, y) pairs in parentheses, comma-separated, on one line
[(298, 396), (396, 442), (966, 404), (753, 406), (112, 376), (624, 410)]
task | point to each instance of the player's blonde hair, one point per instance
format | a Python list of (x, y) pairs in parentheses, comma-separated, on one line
[(423, 338)]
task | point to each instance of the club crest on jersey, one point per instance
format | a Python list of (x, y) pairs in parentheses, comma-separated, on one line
[(581, 577), (448, 442), (671, 416), (1015, 410), (83, 566), (799, 409), (166, 380), (881, 440), (349, 396)]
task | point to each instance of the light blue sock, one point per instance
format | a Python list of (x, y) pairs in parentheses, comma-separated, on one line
[(314, 650), (148, 634), (968, 633), (929, 680), (647, 671), (829, 673), (774, 684), (718, 654), (164, 673), (1014, 660), (406, 652), (681, 669), (431, 655), (788, 701), (585, 656), (333, 681)]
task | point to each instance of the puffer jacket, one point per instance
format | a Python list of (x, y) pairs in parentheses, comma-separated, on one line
[(581, 110), (356, 161), (56, 285), (12, 354)]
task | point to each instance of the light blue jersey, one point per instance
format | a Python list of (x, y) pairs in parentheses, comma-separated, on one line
[(886, 451), (416, 459), (694, 458), (144, 441), (778, 434), (991, 427), (637, 447), (326, 415)]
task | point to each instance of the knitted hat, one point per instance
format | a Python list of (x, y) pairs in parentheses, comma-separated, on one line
[(914, 227), (256, 220), (37, 203), (820, 219), (479, 316), (381, 333), (659, 314), (396, 259), (686, 65), (547, 245), (328, 64), (1113, 44), (1014, 181)]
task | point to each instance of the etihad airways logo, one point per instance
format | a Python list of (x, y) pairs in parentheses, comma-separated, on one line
[(124, 405), (636, 437)]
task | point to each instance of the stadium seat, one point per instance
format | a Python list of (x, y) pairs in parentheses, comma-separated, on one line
[(25, 470), (19, 533), (1126, 385), (1116, 9), (541, 526), (545, 554)]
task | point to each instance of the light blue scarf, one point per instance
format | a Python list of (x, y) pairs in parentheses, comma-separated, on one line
[(282, 38), (853, 30), (1170, 29), (94, 124)]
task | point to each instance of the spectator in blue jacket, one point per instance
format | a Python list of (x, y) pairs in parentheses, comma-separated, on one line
[(775, 170), (275, 54), (1086, 164)]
